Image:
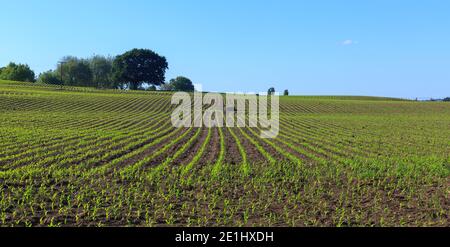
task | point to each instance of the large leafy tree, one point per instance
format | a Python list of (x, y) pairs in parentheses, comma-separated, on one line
[(140, 66), (17, 72), (181, 84)]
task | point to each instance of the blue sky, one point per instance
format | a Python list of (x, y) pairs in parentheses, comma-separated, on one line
[(383, 48)]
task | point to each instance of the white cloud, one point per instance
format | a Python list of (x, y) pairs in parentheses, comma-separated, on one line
[(349, 42)]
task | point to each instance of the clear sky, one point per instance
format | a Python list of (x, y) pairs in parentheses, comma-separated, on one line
[(384, 48)]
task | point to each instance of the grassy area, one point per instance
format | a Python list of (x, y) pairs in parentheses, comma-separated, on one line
[(87, 157)]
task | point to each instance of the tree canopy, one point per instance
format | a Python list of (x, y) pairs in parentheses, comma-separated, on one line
[(17, 72), (101, 68), (271, 91), (181, 83), (49, 77), (93, 72), (75, 71), (140, 66)]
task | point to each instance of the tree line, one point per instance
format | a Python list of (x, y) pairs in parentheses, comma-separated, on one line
[(17, 72), (137, 69)]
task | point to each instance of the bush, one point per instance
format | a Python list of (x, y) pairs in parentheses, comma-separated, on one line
[(447, 99)]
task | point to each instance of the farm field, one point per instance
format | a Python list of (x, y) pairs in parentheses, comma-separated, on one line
[(87, 157)]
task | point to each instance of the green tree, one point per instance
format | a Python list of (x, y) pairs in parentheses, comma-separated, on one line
[(101, 68), (447, 99), (75, 71), (181, 84), (151, 88), (49, 77), (17, 72), (271, 91), (140, 66), (286, 92)]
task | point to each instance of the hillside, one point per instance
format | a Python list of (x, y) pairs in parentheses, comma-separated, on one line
[(82, 156)]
